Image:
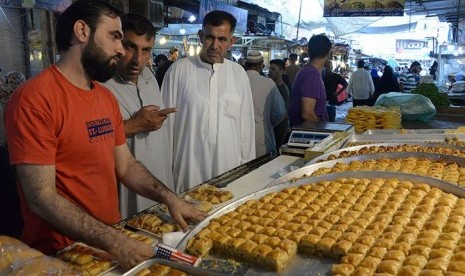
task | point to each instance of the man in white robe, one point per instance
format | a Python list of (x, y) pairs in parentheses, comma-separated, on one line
[(136, 89), (213, 129)]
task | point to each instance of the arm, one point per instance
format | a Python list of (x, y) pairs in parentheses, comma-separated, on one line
[(136, 177), (402, 79), (148, 118), (278, 108), (247, 122), (372, 86), (349, 86), (38, 183), (308, 109)]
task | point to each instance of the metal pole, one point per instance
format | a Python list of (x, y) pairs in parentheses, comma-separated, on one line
[(298, 22)]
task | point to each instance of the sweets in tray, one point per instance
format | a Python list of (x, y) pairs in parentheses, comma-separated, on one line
[(154, 223), (398, 148), (445, 170), (87, 260), (210, 193), (374, 117), (377, 225), (159, 269)]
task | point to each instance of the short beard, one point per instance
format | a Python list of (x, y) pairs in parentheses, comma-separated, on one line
[(96, 63)]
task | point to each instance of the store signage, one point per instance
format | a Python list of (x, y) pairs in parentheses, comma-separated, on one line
[(409, 44), (207, 6), (353, 8)]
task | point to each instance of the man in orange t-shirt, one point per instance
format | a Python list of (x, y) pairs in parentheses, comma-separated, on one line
[(66, 139)]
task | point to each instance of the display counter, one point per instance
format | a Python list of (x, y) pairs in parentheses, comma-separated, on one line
[(252, 182), (262, 174)]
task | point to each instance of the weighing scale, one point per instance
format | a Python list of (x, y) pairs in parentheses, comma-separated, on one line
[(309, 134)]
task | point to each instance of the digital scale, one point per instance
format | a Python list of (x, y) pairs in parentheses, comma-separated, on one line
[(306, 139), (309, 134)]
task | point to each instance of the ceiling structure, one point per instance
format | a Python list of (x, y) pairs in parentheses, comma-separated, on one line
[(446, 10), (450, 11)]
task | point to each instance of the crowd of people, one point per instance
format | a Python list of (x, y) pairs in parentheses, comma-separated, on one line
[(100, 135)]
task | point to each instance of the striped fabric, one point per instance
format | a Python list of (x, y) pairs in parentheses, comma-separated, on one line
[(407, 79)]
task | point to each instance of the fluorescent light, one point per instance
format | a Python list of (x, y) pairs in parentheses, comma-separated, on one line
[(182, 31), (192, 18), (191, 50), (162, 40)]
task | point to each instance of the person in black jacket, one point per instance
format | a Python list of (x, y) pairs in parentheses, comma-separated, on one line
[(387, 83), (332, 81)]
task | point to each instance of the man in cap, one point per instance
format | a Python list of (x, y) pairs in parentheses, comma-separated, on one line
[(408, 82), (213, 129), (269, 106)]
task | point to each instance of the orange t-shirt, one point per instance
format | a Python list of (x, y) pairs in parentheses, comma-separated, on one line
[(50, 121)]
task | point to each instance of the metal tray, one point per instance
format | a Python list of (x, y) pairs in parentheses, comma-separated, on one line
[(405, 138), (325, 156), (309, 169), (405, 131), (191, 270), (301, 265)]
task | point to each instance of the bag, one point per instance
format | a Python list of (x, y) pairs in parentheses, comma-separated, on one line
[(341, 95), (414, 107)]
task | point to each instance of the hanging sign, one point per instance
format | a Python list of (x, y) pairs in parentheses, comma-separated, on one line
[(409, 44), (344, 8)]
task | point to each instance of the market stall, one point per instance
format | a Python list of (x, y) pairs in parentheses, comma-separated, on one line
[(377, 195)]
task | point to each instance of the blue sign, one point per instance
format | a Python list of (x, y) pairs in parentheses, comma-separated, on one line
[(207, 6)]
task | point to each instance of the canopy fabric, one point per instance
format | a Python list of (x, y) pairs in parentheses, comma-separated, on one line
[(311, 17)]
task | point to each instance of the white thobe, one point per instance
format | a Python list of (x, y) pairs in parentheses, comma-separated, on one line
[(269, 109), (213, 129), (150, 148)]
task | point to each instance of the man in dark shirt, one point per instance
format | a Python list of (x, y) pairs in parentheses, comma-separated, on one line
[(276, 72), (332, 82)]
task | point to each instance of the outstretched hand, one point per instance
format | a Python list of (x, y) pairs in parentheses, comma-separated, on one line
[(151, 117)]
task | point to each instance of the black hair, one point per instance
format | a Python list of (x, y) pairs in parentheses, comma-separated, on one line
[(293, 57), (216, 18), (360, 63), (160, 58), (173, 50), (414, 64), (89, 11), (318, 46), (138, 24), (278, 62)]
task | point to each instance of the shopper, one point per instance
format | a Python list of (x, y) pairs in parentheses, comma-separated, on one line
[(269, 107), (174, 54), (12, 222), (361, 85), (141, 105), (160, 60), (66, 140), (387, 83), (334, 85), (308, 97), (276, 73), (213, 129), (293, 68), (408, 81)]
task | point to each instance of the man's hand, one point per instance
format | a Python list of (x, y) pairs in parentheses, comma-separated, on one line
[(131, 252), (181, 210), (148, 118)]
